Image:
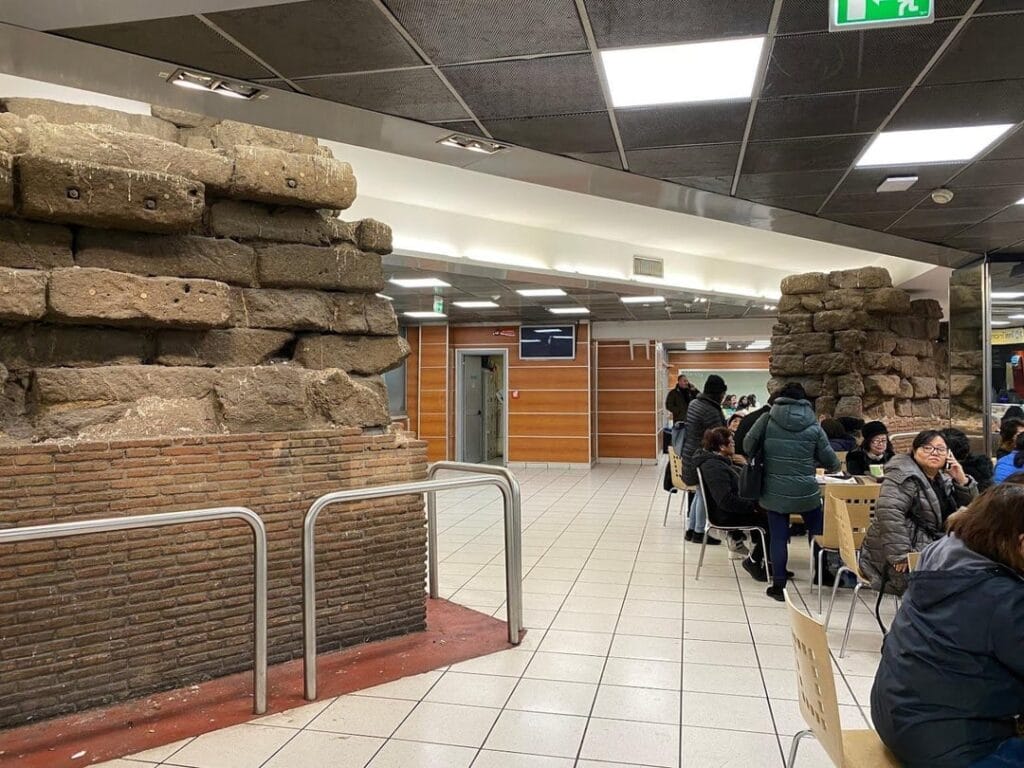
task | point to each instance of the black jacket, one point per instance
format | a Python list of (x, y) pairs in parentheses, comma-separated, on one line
[(678, 401), (722, 483), (858, 461), (703, 414), (748, 421), (980, 468), (951, 678)]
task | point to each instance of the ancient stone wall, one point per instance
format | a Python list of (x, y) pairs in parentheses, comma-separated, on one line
[(862, 348), (173, 274)]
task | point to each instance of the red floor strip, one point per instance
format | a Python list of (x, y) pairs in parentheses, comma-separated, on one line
[(453, 634)]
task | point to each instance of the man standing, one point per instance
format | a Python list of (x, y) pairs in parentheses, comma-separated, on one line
[(679, 398)]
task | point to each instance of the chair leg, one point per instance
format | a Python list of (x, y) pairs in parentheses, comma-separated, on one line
[(832, 601), (796, 745), (821, 576), (700, 562), (849, 620), (684, 507), (668, 503), (764, 548)]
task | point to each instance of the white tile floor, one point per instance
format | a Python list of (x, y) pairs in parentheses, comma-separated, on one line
[(629, 660)]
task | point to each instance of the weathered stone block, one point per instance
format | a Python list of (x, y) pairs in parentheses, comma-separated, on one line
[(813, 386), (167, 255), (374, 236), (115, 298), (68, 114), (891, 301), (341, 268), (916, 347), (263, 399), (787, 365), (929, 367), (355, 354), (378, 314), (930, 308), (797, 322), (885, 385), (809, 282), (905, 365), (121, 384), (6, 183), (34, 245), (73, 192), (966, 361), (929, 408), (924, 387), (831, 363), (836, 320), (22, 295), (229, 134), (802, 344), (850, 385), (273, 176), (232, 347), (876, 361), (906, 390), (49, 346), (182, 118), (904, 408), (961, 384), (13, 136), (881, 411), (849, 406), (880, 341), (914, 326), (825, 405), (865, 277), (850, 342), (350, 313), (844, 299), (252, 221), (103, 145), (350, 401)]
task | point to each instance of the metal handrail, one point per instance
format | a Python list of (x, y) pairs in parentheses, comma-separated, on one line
[(512, 517), (111, 524)]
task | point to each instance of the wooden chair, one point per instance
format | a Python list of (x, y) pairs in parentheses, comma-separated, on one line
[(819, 706), (913, 561), (675, 464), (841, 455), (829, 540), (712, 512), (851, 524)]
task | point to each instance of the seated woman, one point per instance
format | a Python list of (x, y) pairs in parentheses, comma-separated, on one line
[(951, 680), (1008, 431), (838, 438), (1011, 463), (875, 449), (722, 482), (975, 465), (916, 499), (734, 423)]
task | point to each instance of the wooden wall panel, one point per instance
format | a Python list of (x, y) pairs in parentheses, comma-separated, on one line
[(635, 423), (625, 446), (433, 391), (573, 450), (626, 416), (626, 400), (549, 425), (561, 378), (549, 401), (412, 379), (625, 378)]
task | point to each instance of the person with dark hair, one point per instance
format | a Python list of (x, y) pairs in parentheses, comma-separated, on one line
[(976, 465), (704, 413), (722, 483), (949, 690), (679, 398), (1011, 463), (1013, 412), (749, 421), (854, 427), (918, 494), (734, 423), (1008, 431), (838, 438), (874, 449), (794, 445)]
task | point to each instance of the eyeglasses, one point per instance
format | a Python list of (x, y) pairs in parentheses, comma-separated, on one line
[(880, 440), (933, 450)]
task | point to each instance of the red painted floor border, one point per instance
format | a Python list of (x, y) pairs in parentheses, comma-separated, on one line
[(453, 634)]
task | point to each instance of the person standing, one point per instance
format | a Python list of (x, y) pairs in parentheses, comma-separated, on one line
[(703, 414), (794, 446), (679, 398)]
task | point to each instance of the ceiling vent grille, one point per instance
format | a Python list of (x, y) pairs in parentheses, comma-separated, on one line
[(645, 266)]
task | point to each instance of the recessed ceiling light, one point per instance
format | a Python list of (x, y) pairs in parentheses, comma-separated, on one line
[(701, 300), (642, 299), (569, 310), (1015, 317), (696, 346), (1000, 322), (419, 282), (1006, 295), (384, 296), (426, 315), (473, 144), (897, 184), (475, 304), (532, 292), (197, 81), (676, 74), (1020, 202), (933, 145)]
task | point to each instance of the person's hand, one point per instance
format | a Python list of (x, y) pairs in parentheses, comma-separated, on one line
[(901, 567), (740, 460), (956, 471)]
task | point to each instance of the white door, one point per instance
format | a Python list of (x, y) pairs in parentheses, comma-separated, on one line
[(472, 409)]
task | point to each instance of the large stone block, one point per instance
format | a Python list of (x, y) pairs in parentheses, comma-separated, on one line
[(167, 255), (905, 365), (49, 346), (115, 298), (836, 363), (355, 354), (229, 134), (73, 192), (924, 387), (264, 398), (802, 344), (232, 347), (915, 327), (183, 118), (283, 224), (809, 282), (34, 245), (844, 299), (347, 313), (850, 342), (916, 347), (930, 308), (787, 365), (103, 145), (882, 411), (880, 341), (273, 176), (825, 405), (876, 361), (22, 295), (121, 384), (885, 385), (865, 277), (350, 401), (849, 406), (68, 114), (850, 385), (797, 322), (836, 320), (906, 390), (962, 384), (6, 183), (374, 236), (890, 301), (905, 408), (340, 268), (13, 136)]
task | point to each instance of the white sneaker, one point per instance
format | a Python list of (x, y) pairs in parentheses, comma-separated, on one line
[(737, 549)]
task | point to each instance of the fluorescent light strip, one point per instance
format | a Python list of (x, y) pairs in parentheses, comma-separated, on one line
[(678, 74), (1000, 322), (534, 292), (426, 315), (1015, 317), (475, 304), (642, 299), (547, 330), (569, 310), (1006, 295), (935, 145), (419, 282), (696, 346), (384, 296)]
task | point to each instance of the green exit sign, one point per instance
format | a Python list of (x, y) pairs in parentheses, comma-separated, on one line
[(858, 14)]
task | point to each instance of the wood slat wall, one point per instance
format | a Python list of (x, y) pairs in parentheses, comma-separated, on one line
[(412, 380), (626, 418), (715, 361), (433, 379)]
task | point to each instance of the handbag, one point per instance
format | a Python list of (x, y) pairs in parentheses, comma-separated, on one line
[(753, 473)]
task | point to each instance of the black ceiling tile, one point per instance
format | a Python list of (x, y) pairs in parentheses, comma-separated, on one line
[(182, 40), (1010, 148), (800, 203), (451, 31), (588, 132), (943, 106), (1011, 213), (696, 160), (871, 202), (527, 88), (818, 154), (703, 123), (973, 244), (981, 197), (605, 159), (981, 52), (618, 24), (319, 37), (812, 15), (461, 126), (1001, 5), (991, 172), (418, 94), (928, 177), (719, 184), (1001, 233), (848, 61), (822, 114), (934, 217), (794, 183), (935, 234), (877, 220)]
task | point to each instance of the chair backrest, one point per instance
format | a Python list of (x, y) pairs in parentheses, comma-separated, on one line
[(841, 455), (913, 560), (675, 464), (851, 523), (854, 496), (815, 684)]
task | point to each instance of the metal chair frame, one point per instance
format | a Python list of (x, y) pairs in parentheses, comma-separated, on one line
[(702, 490), (676, 472)]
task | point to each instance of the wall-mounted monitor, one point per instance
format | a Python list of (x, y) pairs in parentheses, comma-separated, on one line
[(547, 342)]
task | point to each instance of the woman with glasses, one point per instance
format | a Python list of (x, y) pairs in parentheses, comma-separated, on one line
[(875, 448), (919, 493)]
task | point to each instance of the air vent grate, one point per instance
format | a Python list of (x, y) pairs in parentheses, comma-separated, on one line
[(645, 266)]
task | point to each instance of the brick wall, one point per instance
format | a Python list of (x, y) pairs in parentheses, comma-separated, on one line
[(95, 619)]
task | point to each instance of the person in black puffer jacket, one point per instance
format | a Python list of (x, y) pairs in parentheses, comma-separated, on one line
[(703, 414), (949, 691)]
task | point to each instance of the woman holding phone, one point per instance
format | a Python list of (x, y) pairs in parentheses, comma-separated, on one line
[(918, 494)]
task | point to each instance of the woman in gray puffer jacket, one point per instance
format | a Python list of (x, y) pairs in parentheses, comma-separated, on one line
[(916, 499)]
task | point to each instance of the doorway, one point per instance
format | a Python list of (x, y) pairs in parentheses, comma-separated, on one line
[(481, 411)]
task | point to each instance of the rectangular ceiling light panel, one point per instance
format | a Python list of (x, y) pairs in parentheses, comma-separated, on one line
[(475, 304), (419, 282), (678, 74), (936, 145), (897, 184), (569, 310), (426, 315), (643, 299), (534, 292)]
